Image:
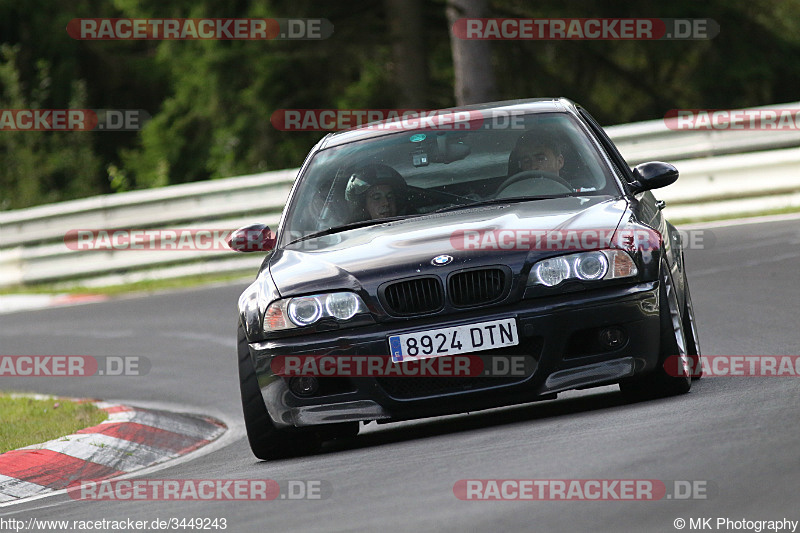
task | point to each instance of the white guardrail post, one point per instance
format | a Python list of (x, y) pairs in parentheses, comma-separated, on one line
[(715, 165)]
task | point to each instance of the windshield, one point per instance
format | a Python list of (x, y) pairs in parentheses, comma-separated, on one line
[(415, 172)]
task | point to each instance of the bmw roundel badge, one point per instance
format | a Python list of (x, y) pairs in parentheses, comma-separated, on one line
[(441, 260)]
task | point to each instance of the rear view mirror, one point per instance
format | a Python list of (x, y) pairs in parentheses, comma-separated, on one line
[(451, 150), (252, 238)]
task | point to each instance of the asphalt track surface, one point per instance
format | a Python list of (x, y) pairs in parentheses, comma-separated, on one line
[(740, 435)]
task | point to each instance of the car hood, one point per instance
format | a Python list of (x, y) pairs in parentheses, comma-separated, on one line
[(365, 257)]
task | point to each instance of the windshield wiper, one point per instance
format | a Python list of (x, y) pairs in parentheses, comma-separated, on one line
[(494, 201), (352, 225)]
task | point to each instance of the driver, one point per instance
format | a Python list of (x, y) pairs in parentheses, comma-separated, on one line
[(376, 191), (536, 150)]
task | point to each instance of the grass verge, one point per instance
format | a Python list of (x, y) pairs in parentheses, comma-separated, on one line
[(29, 421), (748, 214), (184, 282)]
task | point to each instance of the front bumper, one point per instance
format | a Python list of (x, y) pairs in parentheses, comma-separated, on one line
[(555, 331)]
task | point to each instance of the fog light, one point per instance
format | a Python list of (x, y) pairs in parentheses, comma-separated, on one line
[(613, 337), (304, 386)]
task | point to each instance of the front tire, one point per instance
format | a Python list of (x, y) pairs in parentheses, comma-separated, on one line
[(660, 383), (690, 329), (266, 441)]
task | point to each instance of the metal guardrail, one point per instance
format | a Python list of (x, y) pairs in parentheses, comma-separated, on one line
[(713, 164), (32, 248), (652, 140)]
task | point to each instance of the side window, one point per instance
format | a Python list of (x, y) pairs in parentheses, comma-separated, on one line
[(616, 158)]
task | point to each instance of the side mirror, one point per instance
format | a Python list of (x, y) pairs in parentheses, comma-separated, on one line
[(653, 175), (252, 238)]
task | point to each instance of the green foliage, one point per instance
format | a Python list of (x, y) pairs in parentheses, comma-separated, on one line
[(211, 101), (38, 166)]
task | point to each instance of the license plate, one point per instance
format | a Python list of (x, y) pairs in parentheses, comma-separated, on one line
[(455, 340)]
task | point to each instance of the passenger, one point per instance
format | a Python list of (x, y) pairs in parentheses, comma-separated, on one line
[(376, 191)]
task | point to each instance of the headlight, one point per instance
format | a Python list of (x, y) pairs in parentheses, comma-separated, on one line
[(593, 265), (307, 310), (304, 311), (342, 305), (551, 271), (585, 266)]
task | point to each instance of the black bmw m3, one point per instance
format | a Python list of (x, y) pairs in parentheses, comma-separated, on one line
[(475, 258)]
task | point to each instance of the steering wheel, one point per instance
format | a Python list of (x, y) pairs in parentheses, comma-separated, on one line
[(534, 174)]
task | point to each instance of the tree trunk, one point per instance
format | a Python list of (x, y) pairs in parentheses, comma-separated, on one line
[(408, 51), (472, 60)]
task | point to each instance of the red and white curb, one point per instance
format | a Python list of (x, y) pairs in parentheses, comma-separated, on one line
[(130, 439), (12, 303)]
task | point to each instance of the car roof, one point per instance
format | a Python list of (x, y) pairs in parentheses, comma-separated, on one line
[(531, 105)]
